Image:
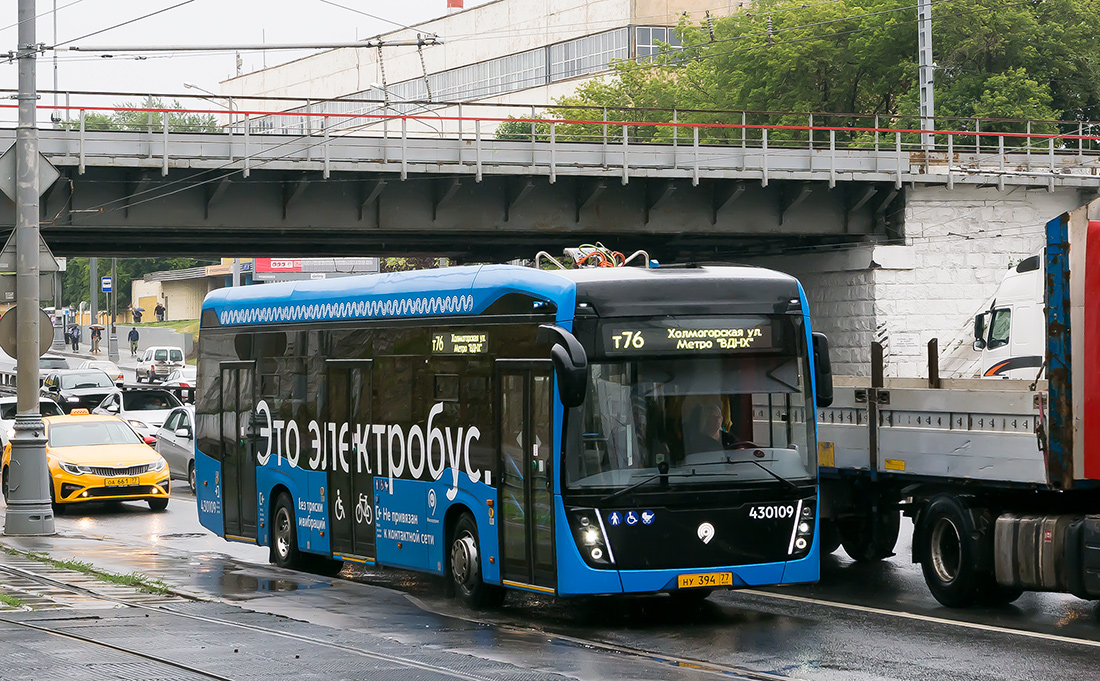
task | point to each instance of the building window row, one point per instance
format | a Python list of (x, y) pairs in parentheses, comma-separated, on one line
[(561, 61)]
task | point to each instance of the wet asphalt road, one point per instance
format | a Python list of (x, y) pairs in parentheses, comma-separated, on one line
[(862, 621)]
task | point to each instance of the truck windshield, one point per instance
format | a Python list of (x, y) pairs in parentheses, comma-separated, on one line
[(703, 417)]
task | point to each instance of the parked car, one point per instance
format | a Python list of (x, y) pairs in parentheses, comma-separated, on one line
[(107, 367), (176, 443), (157, 362), (98, 458), (77, 388), (144, 410), (8, 409)]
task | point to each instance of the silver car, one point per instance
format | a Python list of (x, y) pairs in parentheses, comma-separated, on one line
[(176, 443)]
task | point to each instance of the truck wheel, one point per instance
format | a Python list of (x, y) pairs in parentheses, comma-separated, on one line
[(860, 540), (950, 553), (284, 535), (465, 562)]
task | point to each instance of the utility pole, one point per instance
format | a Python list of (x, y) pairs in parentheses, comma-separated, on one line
[(29, 510), (112, 340), (926, 75), (93, 290)]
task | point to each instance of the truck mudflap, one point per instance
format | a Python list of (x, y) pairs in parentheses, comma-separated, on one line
[(1048, 553)]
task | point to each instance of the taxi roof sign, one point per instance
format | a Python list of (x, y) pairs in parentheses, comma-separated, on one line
[(80, 412)]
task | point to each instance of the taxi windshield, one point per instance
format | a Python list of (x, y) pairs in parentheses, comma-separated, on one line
[(91, 433)]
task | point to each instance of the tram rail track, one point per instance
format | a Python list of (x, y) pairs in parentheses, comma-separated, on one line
[(697, 665)]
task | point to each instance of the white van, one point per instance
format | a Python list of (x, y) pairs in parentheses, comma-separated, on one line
[(157, 362)]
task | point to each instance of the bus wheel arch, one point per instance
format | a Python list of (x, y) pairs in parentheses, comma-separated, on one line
[(464, 557), (283, 531)]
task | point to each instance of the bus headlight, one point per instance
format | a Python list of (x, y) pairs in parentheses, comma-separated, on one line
[(802, 534), (589, 533)]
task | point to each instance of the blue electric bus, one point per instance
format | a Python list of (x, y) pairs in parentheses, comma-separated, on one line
[(583, 431)]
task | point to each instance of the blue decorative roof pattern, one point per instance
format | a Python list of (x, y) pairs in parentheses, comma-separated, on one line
[(423, 293), (348, 309)]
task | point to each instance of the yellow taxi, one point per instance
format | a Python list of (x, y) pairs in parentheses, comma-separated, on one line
[(99, 458)]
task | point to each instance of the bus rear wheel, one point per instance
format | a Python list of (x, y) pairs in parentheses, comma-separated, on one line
[(284, 535), (465, 564)]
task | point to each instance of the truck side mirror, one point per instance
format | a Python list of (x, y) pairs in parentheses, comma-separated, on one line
[(979, 331), (570, 363), (823, 371)]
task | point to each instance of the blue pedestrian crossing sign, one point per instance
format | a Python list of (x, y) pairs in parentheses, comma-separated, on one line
[(106, 284)]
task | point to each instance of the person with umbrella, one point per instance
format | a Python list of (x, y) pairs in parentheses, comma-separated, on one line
[(137, 314), (97, 335)]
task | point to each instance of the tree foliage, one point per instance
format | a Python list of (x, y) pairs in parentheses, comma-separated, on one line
[(994, 58), (125, 118), (76, 280)]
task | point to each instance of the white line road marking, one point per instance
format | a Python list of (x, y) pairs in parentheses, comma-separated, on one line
[(927, 618)]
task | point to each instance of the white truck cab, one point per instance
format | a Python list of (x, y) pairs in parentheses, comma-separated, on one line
[(1011, 334)]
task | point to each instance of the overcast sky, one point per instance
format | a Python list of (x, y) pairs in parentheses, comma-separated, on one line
[(199, 22)]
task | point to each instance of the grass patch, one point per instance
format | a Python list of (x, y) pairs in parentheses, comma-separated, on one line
[(134, 579), (190, 326), (10, 601)]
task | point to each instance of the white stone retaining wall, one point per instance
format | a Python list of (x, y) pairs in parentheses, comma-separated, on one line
[(960, 243)]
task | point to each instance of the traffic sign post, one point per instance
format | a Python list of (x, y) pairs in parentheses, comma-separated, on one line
[(105, 284)]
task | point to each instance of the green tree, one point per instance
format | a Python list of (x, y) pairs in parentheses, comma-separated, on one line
[(75, 280), (1033, 60), (125, 119)]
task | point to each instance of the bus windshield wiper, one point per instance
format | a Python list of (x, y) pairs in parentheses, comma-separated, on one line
[(756, 463), (662, 472)]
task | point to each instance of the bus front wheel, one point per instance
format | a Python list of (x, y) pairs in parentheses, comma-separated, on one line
[(284, 536), (465, 560)]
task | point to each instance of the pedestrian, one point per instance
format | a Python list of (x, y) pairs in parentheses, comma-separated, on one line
[(97, 335), (160, 311), (137, 315), (75, 335), (133, 338)]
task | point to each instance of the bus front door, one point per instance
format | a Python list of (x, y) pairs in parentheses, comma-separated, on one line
[(351, 500), (239, 449), (526, 475)]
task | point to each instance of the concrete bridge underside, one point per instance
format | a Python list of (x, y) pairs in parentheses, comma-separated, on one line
[(140, 212)]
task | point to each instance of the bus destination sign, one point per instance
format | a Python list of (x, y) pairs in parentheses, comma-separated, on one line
[(706, 336), (460, 343)]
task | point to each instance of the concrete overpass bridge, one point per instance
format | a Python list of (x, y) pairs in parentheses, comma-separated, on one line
[(447, 185)]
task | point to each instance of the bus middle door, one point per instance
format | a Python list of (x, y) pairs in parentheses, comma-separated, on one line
[(526, 474), (239, 447), (351, 500)]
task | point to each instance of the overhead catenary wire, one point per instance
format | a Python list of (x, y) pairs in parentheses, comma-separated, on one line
[(123, 23), (44, 14)]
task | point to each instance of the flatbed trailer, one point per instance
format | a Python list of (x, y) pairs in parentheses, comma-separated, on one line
[(1001, 477)]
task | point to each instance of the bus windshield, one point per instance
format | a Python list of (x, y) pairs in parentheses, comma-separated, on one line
[(729, 420)]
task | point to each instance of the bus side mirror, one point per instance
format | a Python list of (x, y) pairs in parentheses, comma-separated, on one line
[(570, 363), (979, 331), (823, 371)]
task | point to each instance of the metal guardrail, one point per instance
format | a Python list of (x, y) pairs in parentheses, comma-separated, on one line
[(438, 143)]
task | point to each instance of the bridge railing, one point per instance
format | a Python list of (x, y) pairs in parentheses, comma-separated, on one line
[(1003, 147)]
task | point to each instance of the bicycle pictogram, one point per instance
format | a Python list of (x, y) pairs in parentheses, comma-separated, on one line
[(363, 511)]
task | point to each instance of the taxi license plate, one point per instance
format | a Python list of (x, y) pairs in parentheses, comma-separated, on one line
[(705, 580), (122, 482)]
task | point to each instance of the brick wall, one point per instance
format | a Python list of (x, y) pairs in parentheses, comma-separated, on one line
[(959, 244)]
